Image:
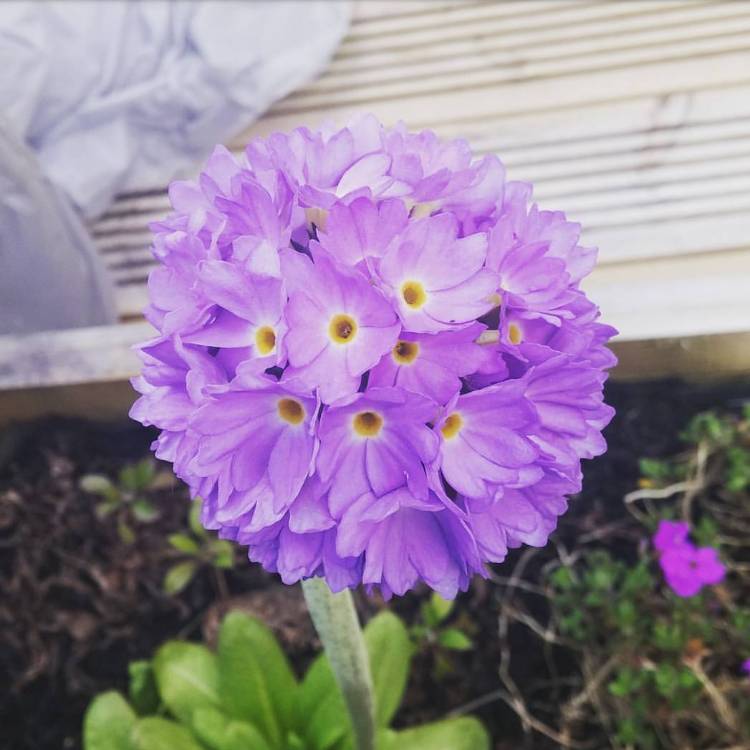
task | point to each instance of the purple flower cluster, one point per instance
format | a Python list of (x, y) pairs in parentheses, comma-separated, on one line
[(687, 568), (374, 361)]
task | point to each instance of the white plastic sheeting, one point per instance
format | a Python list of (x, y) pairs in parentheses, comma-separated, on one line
[(115, 96), (50, 275)]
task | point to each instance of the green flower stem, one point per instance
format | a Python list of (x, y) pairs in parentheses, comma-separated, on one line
[(338, 627)]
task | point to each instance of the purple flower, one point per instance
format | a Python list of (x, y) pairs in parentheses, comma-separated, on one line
[(362, 230), (174, 382), (404, 541), (249, 311), (375, 443), (437, 280), (259, 445), (526, 515), (687, 569), (483, 452), (374, 360), (339, 325), (670, 534), (746, 666), (432, 364)]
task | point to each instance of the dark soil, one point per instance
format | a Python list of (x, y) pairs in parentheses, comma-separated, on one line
[(77, 603)]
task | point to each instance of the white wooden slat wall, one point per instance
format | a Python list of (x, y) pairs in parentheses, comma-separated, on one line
[(633, 116)]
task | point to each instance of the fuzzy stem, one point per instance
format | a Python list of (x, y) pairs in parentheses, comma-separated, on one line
[(336, 621)]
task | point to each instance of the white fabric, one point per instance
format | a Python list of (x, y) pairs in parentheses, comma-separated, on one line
[(115, 96)]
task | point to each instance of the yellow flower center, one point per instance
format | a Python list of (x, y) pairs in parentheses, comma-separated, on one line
[(367, 423), (342, 329), (317, 217), (452, 426), (515, 334), (265, 340), (290, 410), (495, 299), (405, 352), (413, 294), (421, 210)]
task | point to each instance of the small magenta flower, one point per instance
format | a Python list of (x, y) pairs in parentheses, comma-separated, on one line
[(687, 568), (670, 534), (374, 360)]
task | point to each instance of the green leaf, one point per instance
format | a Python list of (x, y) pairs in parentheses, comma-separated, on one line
[(706, 532), (707, 426), (194, 519), (137, 476), (108, 723), (390, 653), (562, 579), (256, 683), (219, 732), (628, 731), (142, 688), (419, 632), (436, 610), (155, 733), (465, 733), (624, 683), (601, 578), (455, 639), (573, 624), (125, 533), (654, 468), (95, 484), (144, 511), (626, 615), (187, 678), (179, 576), (210, 727), (668, 636), (223, 553), (244, 736), (686, 679), (325, 720), (104, 508), (638, 579), (666, 679), (184, 543)]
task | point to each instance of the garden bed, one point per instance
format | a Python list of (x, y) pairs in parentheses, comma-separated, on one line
[(82, 594)]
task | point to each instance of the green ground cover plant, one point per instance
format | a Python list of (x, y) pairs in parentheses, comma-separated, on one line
[(245, 696)]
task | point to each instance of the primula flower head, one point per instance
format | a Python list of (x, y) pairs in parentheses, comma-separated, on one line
[(374, 361), (687, 568)]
